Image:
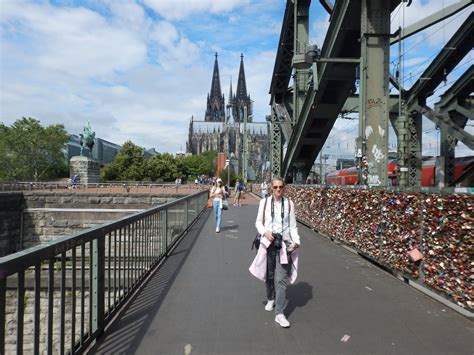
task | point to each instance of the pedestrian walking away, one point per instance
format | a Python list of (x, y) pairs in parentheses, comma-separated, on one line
[(264, 189), (217, 194), (237, 193), (276, 261)]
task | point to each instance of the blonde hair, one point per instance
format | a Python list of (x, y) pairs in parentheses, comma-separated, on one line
[(277, 178)]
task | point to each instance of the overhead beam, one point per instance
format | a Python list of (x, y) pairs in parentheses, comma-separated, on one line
[(431, 20), (448, 58), (282, 69), (464, 86), (328, 6), (444, 121)]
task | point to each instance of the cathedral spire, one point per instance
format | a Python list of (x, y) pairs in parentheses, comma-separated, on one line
[(215, 110), (216, 81), (241, 99), (241, 85)]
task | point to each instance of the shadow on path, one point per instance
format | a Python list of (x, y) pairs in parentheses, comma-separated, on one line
[(298, 295), (127, 331)]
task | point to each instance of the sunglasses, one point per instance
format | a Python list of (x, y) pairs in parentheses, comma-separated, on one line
[(278, 187)]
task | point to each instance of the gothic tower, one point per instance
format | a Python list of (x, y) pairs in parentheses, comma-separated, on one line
[(241, 99), (215, 110)]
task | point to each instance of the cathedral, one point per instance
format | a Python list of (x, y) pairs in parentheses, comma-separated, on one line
[(230, 129)]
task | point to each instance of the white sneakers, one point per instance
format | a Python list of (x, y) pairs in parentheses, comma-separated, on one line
[(270, 305), (218, 230), (281, 319)]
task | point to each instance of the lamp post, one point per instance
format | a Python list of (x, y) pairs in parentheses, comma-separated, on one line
[(227, 163)]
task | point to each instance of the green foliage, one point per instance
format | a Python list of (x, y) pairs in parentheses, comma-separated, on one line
[(161, 167), (233, 177), (31, 152), (128, 164), (196, 165)]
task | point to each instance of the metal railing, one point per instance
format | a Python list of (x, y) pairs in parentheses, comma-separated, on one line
[(58, 297), (64, 185)]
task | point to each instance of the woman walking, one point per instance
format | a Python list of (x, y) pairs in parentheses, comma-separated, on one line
[(276, 261), (217, 194)]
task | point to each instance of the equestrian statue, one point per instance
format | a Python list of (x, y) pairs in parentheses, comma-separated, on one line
[(87, 138)]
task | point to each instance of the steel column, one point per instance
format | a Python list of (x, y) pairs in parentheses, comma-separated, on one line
[(300, 39), (403, 137), (275, 146), (414, 127), (373, 127), (448, 145)]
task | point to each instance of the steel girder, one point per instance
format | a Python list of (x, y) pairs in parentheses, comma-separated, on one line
[(455, 103), (447, 59), (432, 19), (336, 82), (457, 97), (282, 69)]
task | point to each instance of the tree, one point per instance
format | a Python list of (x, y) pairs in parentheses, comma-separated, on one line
[(31, 152), (128, 164), (161, 167)]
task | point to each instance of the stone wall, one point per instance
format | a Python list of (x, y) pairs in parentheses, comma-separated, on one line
[(30, 218), (71, 199), (41, 225), (11, 320), (10, 221)]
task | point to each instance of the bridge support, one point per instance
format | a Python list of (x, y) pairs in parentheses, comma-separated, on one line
[(374, 94), (414, 126), (301, 37), (275, 146), (409, 150), (448, 145)]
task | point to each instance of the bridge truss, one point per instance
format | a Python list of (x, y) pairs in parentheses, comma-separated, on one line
[(357, 46)]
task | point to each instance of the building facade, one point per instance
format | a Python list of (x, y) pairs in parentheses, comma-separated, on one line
[(230, 129)]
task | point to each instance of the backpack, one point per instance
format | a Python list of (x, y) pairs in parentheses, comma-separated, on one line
[(241, 187)]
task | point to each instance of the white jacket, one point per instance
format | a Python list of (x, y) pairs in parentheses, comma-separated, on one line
[(289, 230)]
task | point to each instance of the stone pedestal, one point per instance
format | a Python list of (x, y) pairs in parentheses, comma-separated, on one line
[(86, 169)]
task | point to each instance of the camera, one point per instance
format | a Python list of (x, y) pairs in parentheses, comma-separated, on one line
[(278, 238)]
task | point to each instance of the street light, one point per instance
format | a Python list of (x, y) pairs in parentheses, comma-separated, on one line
[(227, 163)]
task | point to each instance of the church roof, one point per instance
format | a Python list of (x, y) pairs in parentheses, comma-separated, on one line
[(255, 128), (200, 127)]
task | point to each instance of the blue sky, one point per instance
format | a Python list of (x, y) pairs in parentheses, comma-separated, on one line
[(139, 69)]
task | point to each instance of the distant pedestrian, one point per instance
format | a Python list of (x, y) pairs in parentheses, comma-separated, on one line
[(264, 189), (217, 194), (239, 187), (276, 261)]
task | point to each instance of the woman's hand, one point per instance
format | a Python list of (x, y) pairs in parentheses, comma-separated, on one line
[(268, 235)]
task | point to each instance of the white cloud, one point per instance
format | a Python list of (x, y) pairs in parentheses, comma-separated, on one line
[(179, 9), (75, 41), (319, 29), (139, 69)]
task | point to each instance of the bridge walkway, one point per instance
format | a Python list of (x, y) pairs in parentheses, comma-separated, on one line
[(203, 300)]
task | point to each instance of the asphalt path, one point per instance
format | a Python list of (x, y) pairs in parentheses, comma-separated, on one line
[(203, 300)]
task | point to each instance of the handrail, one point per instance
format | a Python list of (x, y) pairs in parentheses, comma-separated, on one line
[(8, 186), (90, 275)]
